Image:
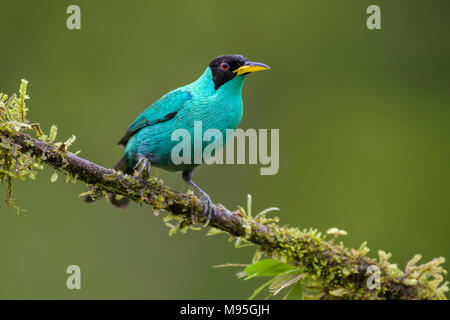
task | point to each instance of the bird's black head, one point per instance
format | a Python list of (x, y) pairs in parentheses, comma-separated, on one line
[(225, 68)]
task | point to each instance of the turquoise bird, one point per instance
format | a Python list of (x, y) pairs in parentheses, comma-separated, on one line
[(215, 98)]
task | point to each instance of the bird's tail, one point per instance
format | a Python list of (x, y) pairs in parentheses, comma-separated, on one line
[(118, 202)]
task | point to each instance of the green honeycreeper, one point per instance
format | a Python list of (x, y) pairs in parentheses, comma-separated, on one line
[(215, 98)]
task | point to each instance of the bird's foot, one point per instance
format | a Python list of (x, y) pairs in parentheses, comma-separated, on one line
[(142, 168), (209, 208)]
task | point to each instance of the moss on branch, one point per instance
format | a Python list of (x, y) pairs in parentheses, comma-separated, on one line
[(310, 259)]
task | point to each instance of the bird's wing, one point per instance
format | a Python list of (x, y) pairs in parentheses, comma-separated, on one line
[(162, 110)]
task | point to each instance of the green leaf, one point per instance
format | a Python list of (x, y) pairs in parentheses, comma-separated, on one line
[(266, 267), (54, 177), (296, 292), (53, 133), (285, 280)]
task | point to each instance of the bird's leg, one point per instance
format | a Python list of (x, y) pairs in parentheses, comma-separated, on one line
[(142, 167), (208, 206)]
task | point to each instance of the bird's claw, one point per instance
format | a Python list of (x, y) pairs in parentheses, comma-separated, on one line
[(142, 168), (209, 208)]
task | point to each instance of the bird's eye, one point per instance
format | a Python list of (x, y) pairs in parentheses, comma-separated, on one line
[(224, 66)]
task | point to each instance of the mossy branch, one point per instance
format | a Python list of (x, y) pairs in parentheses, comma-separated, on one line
[(332, 271)]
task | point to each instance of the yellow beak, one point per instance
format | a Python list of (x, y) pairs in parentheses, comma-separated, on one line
[(251, 67)]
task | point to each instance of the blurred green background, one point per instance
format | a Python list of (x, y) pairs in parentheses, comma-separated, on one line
[(363, 115)]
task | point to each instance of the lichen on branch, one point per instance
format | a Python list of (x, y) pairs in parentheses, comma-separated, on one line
[(305, 263)]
